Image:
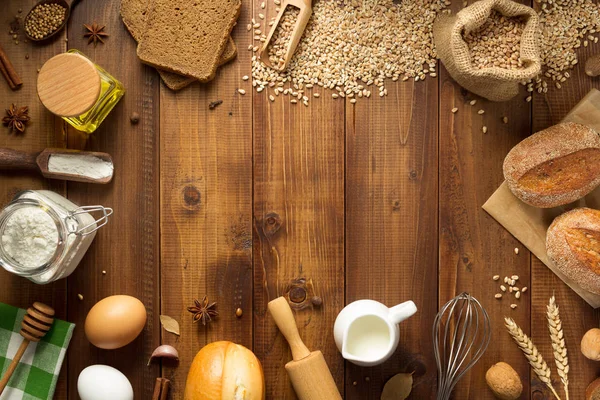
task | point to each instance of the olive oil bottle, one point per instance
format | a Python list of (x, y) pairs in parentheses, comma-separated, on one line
[(71, 86)]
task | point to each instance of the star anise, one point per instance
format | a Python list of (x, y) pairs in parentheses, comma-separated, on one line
[(203, 311), (16, 118), (95, 33)]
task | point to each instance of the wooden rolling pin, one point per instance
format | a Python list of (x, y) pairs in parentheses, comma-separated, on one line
[(36, 323), (308, 370)]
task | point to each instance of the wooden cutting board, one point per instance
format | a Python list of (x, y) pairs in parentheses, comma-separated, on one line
[(529, 224)]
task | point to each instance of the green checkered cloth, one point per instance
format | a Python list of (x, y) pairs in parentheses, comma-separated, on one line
[(36, 375)]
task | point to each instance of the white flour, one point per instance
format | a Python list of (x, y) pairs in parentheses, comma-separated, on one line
[(30, 237), (83, 165)]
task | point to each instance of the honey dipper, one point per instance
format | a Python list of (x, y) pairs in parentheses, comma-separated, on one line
[(36, 323)]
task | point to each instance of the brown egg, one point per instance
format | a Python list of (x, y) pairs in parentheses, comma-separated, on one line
[(115, 321)]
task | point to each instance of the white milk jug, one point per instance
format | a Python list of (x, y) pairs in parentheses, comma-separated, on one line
[(366, 332)]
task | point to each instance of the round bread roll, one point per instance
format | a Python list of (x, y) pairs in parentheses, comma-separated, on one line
[(225, 370), (554, 167), (593, 390), (573, 245)]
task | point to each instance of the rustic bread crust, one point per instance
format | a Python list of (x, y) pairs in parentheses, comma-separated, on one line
[(177, 82), (188, 39), (540, 151), (593, 390), (573, 245), (133, 14)]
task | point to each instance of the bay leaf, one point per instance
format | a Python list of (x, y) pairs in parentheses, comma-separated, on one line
[(398, 387), (169, 324)]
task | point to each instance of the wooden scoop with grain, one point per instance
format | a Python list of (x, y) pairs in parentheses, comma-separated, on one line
[(67, 4), (304, 9), (308, 370)]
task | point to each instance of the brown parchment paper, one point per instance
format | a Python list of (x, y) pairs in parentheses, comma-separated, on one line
[(529, 224)]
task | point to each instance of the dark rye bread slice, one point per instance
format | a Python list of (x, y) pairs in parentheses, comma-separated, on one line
[(188, 37), (133, 14)]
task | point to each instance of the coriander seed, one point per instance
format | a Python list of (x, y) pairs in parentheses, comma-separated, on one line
[(44, 19)]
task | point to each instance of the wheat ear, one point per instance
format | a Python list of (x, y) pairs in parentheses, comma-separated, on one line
[(531, 353), (558, 344)]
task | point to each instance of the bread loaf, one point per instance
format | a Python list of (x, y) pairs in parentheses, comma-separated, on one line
[(556, 166), (593, 390), (573, 245), (133, 13), (188, 37)]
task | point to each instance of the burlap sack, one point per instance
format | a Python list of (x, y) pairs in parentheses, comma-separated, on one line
[(496, 84)]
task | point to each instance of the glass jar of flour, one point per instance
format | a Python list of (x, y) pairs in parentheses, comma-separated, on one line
[(43, 236)]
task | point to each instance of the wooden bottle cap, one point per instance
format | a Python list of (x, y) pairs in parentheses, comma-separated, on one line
[(68, 85)]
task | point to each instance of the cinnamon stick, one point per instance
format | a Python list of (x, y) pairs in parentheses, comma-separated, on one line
[(8, 70), (161, 389), (7, 77)]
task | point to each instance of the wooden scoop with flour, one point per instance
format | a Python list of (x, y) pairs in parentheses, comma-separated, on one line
[(308, 370), (39, 161)]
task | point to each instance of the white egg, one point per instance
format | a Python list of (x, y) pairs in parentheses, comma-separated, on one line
[(101, 382)]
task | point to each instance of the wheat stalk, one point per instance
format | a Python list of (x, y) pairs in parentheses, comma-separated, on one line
[(531, 353), (558, 344)]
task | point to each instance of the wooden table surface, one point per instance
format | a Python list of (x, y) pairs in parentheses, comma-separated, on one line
[(378, 200)]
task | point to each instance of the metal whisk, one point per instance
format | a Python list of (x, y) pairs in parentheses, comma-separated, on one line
[(461, 334)]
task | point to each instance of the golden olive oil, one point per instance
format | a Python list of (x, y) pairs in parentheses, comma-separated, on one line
[(110, 93), (79, 91)]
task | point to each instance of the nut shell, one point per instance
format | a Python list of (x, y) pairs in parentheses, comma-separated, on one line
[(504, 381), (590, 344)]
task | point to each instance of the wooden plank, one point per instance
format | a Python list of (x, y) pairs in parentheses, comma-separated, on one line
[(299, 224), (43, 131), (391, 231), (577, 316), (473, 247), (206, 218), (127, 248)]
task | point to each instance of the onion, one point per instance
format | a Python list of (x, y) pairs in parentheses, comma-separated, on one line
[(225, 370)]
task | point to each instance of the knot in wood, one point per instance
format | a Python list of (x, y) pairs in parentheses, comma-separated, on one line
[(297, 294), (191, 196), (301, 294), (538, 395), (417, 365), (412, 175), (271, 223)]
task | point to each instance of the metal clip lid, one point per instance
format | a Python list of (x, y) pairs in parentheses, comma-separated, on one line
[(106, 212)]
